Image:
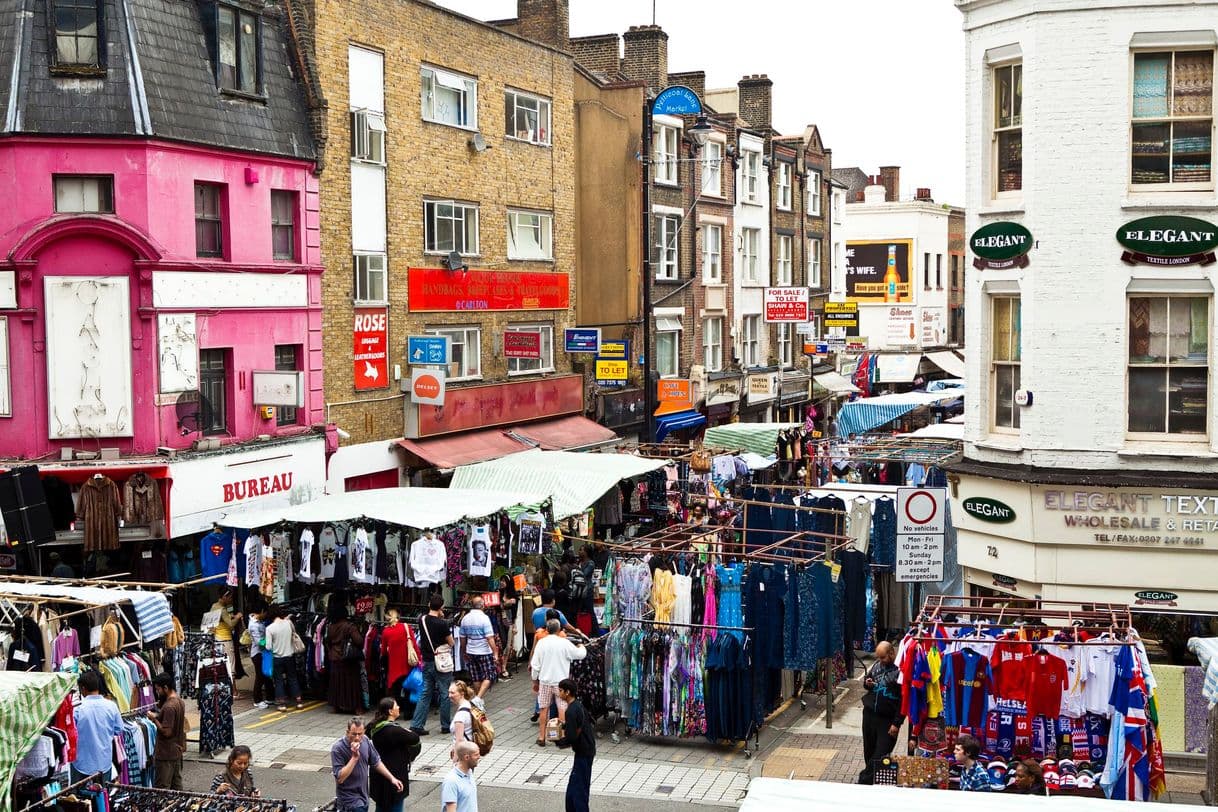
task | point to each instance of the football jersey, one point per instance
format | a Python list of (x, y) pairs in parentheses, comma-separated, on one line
[(1007, 661), (934, 692), (917, 687), (1073, 705), (968, 682), (1100, 674), (1046, 682)]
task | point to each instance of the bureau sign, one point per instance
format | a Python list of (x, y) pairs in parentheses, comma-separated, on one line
[(1168, 240), (989, 510), (1001, 245)]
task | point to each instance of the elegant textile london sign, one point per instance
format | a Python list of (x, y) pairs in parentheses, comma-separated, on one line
[(435, 290), (1167, 241), (1001, 245)]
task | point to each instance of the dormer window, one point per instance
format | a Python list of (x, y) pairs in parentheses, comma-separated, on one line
[(237, 39), (77, 33)]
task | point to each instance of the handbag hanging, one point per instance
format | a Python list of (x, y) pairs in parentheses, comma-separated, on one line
[(412, 647), (443, 654)]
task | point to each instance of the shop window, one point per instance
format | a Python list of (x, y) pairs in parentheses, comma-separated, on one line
[(712, 169), (1005, 361), (782, 261), (939, 271), (1173, 109), (783, 186), (786, 352), (6, 387), (530, 235), (526, 117), (750, 171), (78, 35), (668, 347), (712, 254), (449, 98), (664, 153), (287, 359), (1169, 365), (464, 351), (528, 366), (213, 391), (370, 278), (814, 262), (237, 42), (712, 344), (449, 227), (750, 249), (813, 193), (750, 341), (209, 220), (84, 193), (1008, 128), (283, 224), (665, 254)]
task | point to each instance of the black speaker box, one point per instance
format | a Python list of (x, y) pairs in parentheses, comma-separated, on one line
[(23, 506)]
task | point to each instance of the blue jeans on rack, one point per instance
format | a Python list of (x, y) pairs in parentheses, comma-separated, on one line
[(431, 680)]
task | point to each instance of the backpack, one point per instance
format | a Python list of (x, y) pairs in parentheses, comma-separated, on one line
[(484, 731), (577, 589)]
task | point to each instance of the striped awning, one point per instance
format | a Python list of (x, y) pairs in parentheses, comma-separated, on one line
[(675, 421), (861, 416), (28, 701), (760, 438)]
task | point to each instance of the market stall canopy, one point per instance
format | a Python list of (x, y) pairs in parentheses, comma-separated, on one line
[(28, 701), (420, 508), (861, 416), (565, 434), (760, 438), (464, 448), (675, 421), (947, 361), (940, 431), (834, 383), (574, 480), (151, 608)]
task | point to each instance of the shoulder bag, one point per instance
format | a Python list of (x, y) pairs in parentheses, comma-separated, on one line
[(443, 654)]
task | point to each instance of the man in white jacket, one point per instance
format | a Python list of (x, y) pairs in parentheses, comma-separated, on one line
[(550, 665)]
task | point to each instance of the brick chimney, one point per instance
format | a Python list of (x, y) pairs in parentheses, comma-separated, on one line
[(755, 93), (890, 176), (545, 21), (695, 80), (646, 57), (601, 53)]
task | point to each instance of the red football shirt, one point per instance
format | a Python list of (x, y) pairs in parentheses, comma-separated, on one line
[(1047, 678), (1007, 663)]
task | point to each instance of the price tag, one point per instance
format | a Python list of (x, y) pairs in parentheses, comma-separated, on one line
[(21, 656), (761, 586), (146, 554), (95, 637), (835, 571)]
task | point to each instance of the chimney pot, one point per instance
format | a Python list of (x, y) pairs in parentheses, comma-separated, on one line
[(545, 21), (890, 176)]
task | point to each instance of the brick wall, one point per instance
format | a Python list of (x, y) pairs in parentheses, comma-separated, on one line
[(646, 55), (601, 53), (755, 100)]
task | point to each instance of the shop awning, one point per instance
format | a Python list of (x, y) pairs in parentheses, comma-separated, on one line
[(939, 431), (834, 383), (861, 416), (897, 368), (28, 702), (565, 434), (420, 508), (675, 421), (760, 438), (464, 448), (574, 480), (947, 361)]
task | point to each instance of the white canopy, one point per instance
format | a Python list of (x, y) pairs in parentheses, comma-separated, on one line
[(939, 431), (420, 508)]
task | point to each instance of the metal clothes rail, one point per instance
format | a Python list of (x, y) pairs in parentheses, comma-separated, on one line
[(880, 448)]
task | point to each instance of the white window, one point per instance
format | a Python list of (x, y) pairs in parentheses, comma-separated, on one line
[(664, 153), (1169, 357), (664, 256), (712, 253), (712, 344), (750, 246), (450, 226), (813, 193), (1173, 117), (750, 341), (526, 117), (839, 200), (668, 347), (786, 353), (782, 262), (784, 186), (813, 262), (712, 169), (528, 366), (6, 391), (530, 235), (84, 193), (1008, 128), (750, 171), (1005, 361), (465, 351), (368, 136), (450, 98), (369, 278)]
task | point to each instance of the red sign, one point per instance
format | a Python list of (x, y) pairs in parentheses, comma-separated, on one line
[(438, 290), (786, 305), (498, 404), (521, 344), (371, 348), (244, 489)]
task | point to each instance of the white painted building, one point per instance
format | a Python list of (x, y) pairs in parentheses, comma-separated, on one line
[(1091, 411), (752, 246)]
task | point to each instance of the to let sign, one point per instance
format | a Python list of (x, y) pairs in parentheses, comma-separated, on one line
[(618, 350), (1168, 240), (371, 348), (611, 373), (521, 344), (786, 305)]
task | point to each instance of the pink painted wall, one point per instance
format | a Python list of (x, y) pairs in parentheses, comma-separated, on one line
[(153, 229)]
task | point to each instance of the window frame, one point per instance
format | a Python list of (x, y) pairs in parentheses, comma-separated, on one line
[(512, 97), (814, 263), (468, 96), (287, 415), (663, 244), (814, 193), (471, 337), (545, 229), (357, 288), (712, 168), (665, 163), (750, 341), (431, 220), (786, 345), (1167, 366), (783, 259), (368, 136), (750, 175), (712, 260), (782, 185), (98, 64), (1012, 366), (673, 360), (1171, 120), (547, 348), (6, 371), (1013, 128), (213, 380), (292, 203), (219, 219), (105, 190), (712, 363), (750, 263), (239, 15)]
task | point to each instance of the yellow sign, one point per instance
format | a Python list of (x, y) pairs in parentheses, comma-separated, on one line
[(841, 307), (611, 370), (614, 349)]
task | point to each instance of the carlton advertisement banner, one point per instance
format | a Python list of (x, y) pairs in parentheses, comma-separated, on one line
[(878, 271)]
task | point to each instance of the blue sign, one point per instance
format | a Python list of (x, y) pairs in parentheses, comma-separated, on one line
[(583, 339), (676, 100), (427, 350)]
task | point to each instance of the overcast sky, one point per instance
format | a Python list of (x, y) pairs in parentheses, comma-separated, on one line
[(882, 79)]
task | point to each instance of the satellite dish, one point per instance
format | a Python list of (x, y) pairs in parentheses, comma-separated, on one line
[(478, 144), (454, 262), (188, 409)]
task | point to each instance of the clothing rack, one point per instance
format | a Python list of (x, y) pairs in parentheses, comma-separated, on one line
[(163, 798), (879, 448), (69, 789), (653, 622)]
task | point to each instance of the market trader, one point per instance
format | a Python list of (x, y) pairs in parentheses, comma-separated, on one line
[(548, 601), (882, 717), (97, 723)]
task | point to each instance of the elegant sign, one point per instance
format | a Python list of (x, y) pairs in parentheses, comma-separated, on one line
[(427, 386), (498, 404), (1127, 517), (989, 510), (1168, 240), (435, 290), (611, 372), (428, 350), (278, 388), (786, 305), (1001, 245), (673, 389), (522, 344), (676, 100), (1155, 597), (371, 335), (878, 271), (582, 339)]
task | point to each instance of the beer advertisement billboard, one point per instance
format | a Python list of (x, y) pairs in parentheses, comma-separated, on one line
[(879, 272)]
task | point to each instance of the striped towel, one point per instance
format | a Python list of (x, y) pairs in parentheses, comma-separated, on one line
[(1206, 649), (152, 612)]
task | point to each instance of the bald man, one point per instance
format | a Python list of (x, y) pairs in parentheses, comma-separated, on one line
[(459, 793), (882, 717)]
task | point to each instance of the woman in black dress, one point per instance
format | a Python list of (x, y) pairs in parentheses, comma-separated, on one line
[(398, 746), (343, 640)]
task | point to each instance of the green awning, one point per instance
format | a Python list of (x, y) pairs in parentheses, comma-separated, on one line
[(574, 480), (760, 438), (28, 701)]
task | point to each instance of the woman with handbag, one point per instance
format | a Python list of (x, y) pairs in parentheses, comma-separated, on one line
[(280, 641), (401, 652), (345, 658)]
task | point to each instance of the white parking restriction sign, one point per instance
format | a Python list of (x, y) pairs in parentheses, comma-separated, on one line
[(921, 511)]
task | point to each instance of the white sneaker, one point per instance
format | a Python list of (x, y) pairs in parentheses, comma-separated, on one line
[(262, 705)]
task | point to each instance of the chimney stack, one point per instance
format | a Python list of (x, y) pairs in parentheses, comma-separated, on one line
[(891, 178), (695, 80), (646, 58), (600, 54), (545, 21), (875, 193), (923, 195), (755, 94)]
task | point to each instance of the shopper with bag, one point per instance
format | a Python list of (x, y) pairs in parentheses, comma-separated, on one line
[(401, 652), (279, 640), (344, 658), (254, 637), (436, 650)]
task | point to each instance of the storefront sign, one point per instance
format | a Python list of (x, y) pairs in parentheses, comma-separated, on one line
[(619, 409), (497, 404), (427, 350), (615, 350), (673, 389), (1001, 245), (786, 305), (433, 290), (1168, 240), (761, 388), (371, 338), (582, 339), (611, 372), (427, 386), (793, 390), (989, 510), (1005, 581), (522, 344), (676, 100), (722, 391), (277, 388), (878, 271), (1128, 517), (933, 334), (1155, 597), (902, 328)]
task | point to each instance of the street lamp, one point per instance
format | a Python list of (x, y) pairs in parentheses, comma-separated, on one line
[(699, 133)]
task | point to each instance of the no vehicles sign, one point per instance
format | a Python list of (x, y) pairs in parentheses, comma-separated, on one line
[(921, 510), (921, 523)]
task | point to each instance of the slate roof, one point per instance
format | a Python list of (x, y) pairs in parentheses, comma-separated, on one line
[(854, 179), (164, 87)]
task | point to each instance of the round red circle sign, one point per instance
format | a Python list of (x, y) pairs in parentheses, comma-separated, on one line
[(920, 507)]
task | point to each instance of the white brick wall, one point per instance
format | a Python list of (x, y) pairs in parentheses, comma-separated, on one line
[(1077, 74)]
